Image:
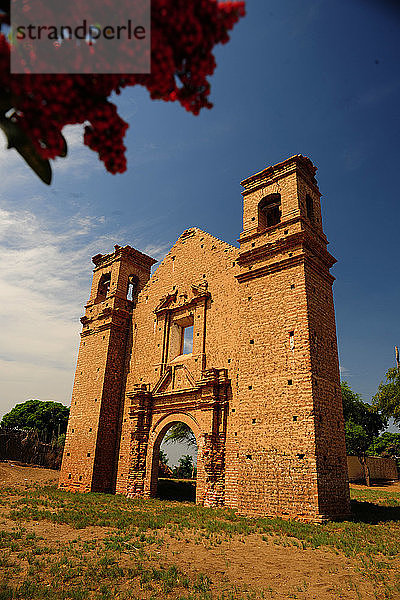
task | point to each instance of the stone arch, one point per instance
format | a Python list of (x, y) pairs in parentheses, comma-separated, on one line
[(157, 433)]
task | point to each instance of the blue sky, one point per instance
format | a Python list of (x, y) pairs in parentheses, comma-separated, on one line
[(318, 78)]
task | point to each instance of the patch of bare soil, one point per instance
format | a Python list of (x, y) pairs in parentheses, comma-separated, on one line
[(17, 474), (380, 486), (284, 572)]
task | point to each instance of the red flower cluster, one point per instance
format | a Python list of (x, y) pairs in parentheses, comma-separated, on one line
[(183, 35)]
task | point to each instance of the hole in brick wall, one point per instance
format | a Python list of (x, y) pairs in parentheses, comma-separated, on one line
[(80, 477), (253, 244), (233, 410), (88, 453), (75, 403), (286, 231), (233, 264), (201, 245), (290, 381), (253, 218), (98, 369), (90, 429), (68, 453), (250, 387), (84, 343), (292, 286), (249, 456), (253, 421), (300, 455), (72, 430), (294, 418), (251, 341), (235, 433), (197, 334), (204, 275), (290, 253), (69, 475), (95, 399), (229, 360)]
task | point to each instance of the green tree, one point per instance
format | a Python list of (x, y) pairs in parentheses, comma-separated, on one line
[(48, 418), (387, 399), (180, 432), (185, 468), (387, 444), (363, 423)]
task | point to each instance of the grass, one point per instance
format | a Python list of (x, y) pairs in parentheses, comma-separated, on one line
[(126, 561), (374, 529)]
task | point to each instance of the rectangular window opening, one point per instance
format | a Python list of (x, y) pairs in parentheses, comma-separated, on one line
[(187, 340)]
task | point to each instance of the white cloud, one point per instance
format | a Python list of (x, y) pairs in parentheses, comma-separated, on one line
[(79, 162), (45, 279)]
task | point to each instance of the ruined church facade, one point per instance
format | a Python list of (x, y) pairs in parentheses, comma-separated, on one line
[(259, 385)]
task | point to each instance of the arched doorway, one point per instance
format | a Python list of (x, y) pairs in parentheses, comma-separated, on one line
[(202, 407), (186, 488), (177, 463)]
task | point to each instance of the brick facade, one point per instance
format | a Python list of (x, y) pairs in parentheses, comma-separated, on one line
[(260, 388)]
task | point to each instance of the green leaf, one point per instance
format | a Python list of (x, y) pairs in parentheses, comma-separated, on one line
[(19, 140)]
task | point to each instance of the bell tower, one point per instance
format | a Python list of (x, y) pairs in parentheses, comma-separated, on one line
[(93, 428), (289, 419)]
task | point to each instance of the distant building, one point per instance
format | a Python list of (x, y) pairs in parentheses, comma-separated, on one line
[(238, 343)]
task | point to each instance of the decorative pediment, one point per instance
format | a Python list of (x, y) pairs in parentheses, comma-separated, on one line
[(165, 301), (183, 297)]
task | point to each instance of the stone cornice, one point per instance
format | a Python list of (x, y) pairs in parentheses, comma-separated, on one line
[(247, 237), (273, 173), (135, 256)]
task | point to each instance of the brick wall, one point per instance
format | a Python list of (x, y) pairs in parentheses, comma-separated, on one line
[(260, 388)]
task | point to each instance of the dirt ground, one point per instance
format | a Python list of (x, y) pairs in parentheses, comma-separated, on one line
[(254, 561)]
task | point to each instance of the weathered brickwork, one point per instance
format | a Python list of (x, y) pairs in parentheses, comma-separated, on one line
[(260, 388)]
